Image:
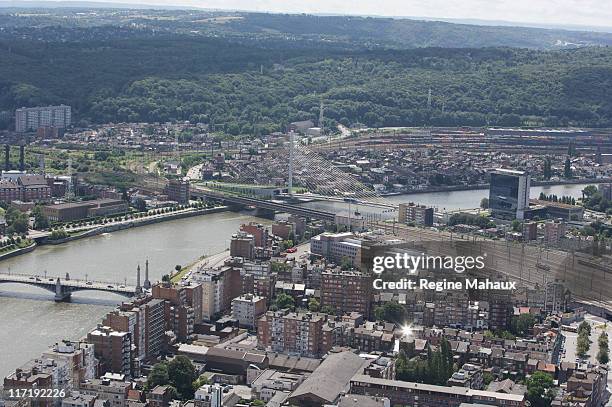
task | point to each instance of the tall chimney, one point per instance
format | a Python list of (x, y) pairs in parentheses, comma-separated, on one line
[(7, 157), (147, 282), (138, 287), (21, 158)]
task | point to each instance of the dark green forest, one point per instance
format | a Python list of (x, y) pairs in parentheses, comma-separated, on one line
[(241, 87)]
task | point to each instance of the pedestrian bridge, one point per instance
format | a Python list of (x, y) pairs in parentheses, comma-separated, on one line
[(63, 288)]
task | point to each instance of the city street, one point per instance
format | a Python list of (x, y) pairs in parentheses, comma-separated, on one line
[(597, 326)]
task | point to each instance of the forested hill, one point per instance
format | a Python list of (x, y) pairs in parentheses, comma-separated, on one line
[(241, 88), (250, 83)]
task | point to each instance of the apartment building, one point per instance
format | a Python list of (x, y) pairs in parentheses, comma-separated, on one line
[(587, 387), (283, 229), (40, 374), (242, 245), (258, 231), (79, 358), (346, 291), (219, 287), (415, 213), (113, 349), (553, 231), (32, 118), (247, 309), (144, 319), (115, 391), (178, 190), (182, 306), (530, 231), (290, 332)]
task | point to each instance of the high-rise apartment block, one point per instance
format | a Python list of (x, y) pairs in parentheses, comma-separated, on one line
[(219, 287), (291, 332), (143, 318), (32, 118), (509, 194), (346, 291), (178, 190), (183, 307), (113, 349), (414, 213)]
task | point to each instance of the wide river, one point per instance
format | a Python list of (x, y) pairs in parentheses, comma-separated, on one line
[(452, 200), (30, 321)]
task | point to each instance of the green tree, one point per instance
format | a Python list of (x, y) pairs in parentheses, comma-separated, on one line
[(584, 327), (602, 341), (583, 345), (346, 263), (521, 325), (484, 203), (182, 374), (200, 381), (40, 219), (589, 191), (540, 391), (313, 305), (284, 301), (516, 225), (391, 312), (326, 309), (603, 356), (158, 376)]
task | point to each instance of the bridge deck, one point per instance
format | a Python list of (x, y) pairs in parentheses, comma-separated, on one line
[(77, 284)]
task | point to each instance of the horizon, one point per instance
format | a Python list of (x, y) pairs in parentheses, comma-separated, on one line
[(549, 14)]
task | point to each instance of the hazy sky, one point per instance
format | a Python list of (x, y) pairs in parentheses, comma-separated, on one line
[(564, 12)]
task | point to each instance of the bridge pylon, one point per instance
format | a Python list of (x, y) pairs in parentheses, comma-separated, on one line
[(62, 294)]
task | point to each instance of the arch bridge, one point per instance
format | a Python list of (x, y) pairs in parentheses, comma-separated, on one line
[(63, 288)]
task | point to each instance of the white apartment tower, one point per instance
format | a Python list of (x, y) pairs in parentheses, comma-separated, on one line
[(32, 118)]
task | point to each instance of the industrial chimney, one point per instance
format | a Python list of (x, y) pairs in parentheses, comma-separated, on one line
[(21, 158), (7, 157)]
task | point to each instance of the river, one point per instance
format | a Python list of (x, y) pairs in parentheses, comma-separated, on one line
[(453, 200), (29, 319)]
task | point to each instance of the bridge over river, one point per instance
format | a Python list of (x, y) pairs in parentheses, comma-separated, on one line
[(63, 288)]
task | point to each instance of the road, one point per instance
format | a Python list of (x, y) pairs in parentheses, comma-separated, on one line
[(598, 325)]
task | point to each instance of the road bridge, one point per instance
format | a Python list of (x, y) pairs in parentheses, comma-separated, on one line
[(63, 288)]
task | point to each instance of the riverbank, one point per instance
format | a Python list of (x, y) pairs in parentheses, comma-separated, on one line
[(19, 251), (114, 227)]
